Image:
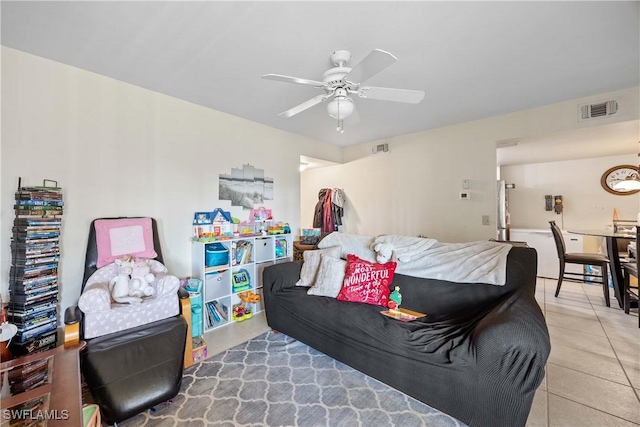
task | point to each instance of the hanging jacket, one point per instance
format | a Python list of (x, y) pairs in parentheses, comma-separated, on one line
[(317, 216), (328, 224)]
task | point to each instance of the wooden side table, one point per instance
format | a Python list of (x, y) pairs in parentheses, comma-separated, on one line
[(299, 248), (44, 386)]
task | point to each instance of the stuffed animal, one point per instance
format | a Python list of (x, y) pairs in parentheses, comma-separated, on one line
[(384, 252), (141, 278), (119, 285)]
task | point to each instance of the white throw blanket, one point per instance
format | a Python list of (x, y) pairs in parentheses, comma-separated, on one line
[(473, 262)]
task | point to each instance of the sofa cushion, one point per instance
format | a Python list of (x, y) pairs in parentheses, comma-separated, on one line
[(102, 316), (366, 281), (124, 236), (330, 277), (350, 244), (312, 262)]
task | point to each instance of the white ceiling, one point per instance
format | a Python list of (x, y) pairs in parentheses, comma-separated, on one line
[(473, 59)]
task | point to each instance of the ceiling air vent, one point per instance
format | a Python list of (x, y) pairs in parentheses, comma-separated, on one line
[(600, 109)]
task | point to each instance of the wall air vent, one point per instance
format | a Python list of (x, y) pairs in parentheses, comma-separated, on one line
[(380, 147), (600, 109)]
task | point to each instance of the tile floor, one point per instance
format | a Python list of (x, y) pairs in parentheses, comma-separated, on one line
[(593, 373)]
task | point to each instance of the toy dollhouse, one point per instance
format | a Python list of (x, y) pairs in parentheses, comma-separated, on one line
[(212, 224)]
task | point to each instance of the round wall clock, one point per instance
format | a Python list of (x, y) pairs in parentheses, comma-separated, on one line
[(616, 174)]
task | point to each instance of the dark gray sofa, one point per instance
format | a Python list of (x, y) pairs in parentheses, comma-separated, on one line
[(478, 356)]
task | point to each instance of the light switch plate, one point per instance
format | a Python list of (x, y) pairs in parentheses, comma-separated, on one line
[(465, 183)]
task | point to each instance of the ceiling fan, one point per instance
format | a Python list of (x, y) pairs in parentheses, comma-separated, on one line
[(341, 81)]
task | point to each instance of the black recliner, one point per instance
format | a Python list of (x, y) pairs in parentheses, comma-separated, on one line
[(135, 369)]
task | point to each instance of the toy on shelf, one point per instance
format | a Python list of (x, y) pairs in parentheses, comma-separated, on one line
[(236, 226), (242, 311), (240, 281), (208, 226), (261, 219), (281, 248), (250, 297), (261, 214), (279, 228)]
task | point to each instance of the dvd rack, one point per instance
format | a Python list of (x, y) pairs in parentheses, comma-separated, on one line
[(33, 277)]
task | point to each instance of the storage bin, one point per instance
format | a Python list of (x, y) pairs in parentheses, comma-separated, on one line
[(216, 254), (194, 287), (199, 349)]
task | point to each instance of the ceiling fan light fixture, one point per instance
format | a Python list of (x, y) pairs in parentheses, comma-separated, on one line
[(340, 107), (342, 80)]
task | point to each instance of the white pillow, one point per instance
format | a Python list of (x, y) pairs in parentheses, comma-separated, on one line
[(311, 264), (330, 277), (350, 244)]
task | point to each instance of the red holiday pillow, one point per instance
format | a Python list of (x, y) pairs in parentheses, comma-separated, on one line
[(366, 281)]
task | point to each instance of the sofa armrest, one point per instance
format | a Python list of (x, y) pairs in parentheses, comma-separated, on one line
[(281, 276), (72, 315), (512, 346), (95, 298), (72, 321), (165, 284), (516, 324)]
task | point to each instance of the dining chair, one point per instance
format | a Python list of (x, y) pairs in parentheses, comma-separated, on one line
[(583, 259), (630, 291)]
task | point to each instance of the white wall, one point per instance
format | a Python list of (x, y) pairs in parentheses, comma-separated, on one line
[(586, 204), (414, 188), (120, 150)]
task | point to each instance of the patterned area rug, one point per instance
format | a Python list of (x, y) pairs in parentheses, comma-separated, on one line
[(274, 380)]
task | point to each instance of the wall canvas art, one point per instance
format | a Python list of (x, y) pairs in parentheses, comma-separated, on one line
[(245, 186)]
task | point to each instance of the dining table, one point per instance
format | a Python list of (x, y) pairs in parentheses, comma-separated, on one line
[(615, 263)]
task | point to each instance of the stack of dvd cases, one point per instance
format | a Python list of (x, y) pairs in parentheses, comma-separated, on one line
[(33, 285)]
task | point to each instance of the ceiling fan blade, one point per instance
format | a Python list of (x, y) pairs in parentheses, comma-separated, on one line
[(372, 64), (288, 79), (305, 105), (389, 94)]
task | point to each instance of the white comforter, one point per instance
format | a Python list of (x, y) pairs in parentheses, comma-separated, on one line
[(472, 262)]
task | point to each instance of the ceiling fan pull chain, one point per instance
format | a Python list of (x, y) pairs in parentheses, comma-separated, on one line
[(340, 127)]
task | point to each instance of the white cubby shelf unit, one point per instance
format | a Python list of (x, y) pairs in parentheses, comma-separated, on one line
[(229, 267)]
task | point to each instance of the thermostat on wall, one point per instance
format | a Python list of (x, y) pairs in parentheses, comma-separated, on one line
[(464, 195)]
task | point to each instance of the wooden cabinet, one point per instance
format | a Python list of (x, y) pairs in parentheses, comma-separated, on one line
[(542, 241), (43, 386)]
